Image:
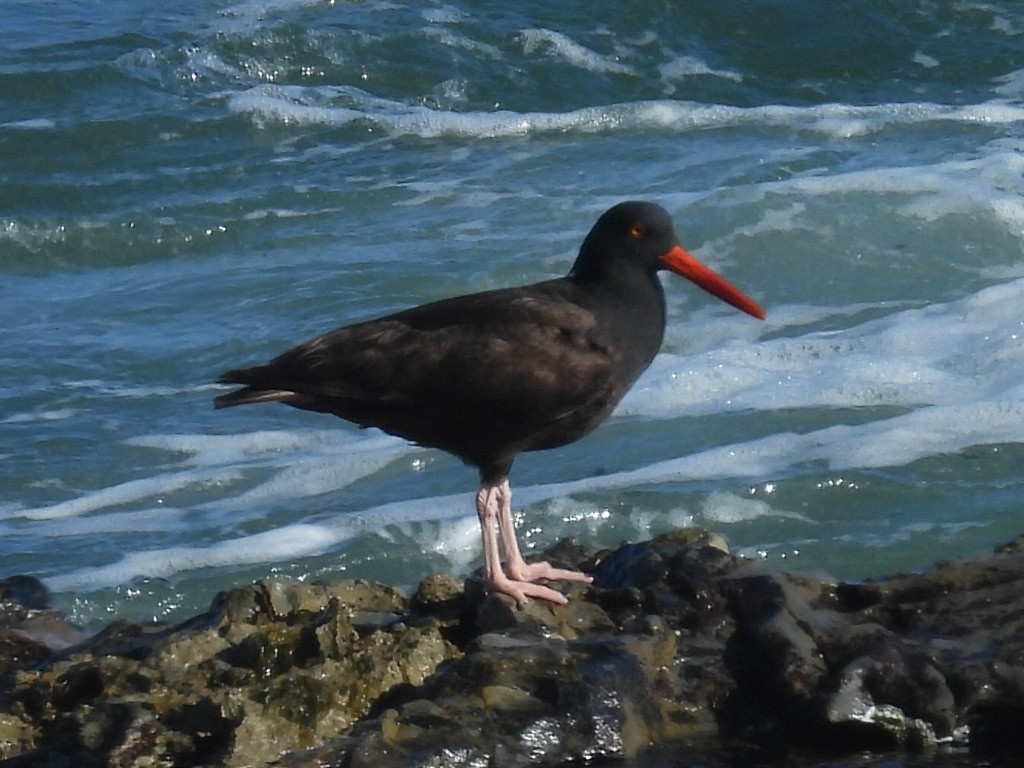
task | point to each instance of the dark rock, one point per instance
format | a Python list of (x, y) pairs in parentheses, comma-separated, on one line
[(677, 648), (26, 592), (30, 629)]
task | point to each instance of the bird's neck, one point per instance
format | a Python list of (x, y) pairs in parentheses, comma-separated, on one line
[(631, 310)]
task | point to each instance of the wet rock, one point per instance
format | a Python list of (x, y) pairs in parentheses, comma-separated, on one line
[(440, 592), (31, 630), (272, 668), (678, 647), (16, 736)]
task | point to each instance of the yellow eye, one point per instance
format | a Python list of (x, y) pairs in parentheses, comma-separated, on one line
[(637, 231)]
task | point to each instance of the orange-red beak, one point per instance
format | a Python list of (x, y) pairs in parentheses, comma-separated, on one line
[(685, 264)]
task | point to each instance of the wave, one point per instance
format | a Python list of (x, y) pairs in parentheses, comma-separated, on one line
[(930, 399), (907, 359), (347, 105)]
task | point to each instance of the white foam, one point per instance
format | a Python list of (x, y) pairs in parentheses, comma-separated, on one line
[(1011, 85), (277, 544), (452, 39), (312, 477), (725, 508), (456, 539), (445, 14), (32, 124), (966, 351), (690, 66), (330, 106), (895, 441), (159, 519), (990, 183), (248, 447), (560, 46), (344, 105), (56, 414), (924, 60), (303, 464), (280, 544), (127, 493), (119, 390), (251, 15)]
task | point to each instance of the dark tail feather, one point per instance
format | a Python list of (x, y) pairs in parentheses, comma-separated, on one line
[(251, 393), (248, 395)]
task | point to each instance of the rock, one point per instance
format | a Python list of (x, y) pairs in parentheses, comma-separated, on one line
[(678, 647), (16, 736), (440, 591), (30, 629), (272, 668)]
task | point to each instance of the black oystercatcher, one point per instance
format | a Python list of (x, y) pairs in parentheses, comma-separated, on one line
[(491, 374)]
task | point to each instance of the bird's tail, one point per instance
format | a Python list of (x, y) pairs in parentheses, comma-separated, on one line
[(251, 392)]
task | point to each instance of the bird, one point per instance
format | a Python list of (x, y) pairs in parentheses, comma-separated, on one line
[(489, 375)]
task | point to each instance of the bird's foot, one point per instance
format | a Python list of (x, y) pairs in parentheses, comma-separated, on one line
[(522, 591), (518, 581), (531, 572)]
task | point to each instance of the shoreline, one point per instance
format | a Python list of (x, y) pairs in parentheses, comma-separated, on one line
[(679, 648)]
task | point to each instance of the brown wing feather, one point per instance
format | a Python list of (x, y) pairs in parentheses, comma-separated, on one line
[(456, 373)]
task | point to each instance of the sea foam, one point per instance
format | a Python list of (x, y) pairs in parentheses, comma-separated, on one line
[(558, 45), (345, 105), (960, 352)]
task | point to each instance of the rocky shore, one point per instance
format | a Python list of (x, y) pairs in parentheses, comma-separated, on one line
[(678, 648)]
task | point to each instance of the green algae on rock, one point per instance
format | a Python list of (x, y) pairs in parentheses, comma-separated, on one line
[(678, 645)]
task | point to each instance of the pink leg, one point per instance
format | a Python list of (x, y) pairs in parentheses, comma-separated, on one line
[(515, 566), (494, 508)]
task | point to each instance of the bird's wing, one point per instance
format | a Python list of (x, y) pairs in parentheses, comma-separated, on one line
[(510, 353)]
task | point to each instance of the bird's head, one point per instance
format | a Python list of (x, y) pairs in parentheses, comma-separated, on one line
[(638, 235)]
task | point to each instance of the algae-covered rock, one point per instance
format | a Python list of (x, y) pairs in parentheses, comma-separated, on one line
[(272, 668), (678, 647), (16, 736)]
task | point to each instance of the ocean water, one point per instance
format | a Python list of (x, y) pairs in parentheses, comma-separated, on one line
[(194, 186)]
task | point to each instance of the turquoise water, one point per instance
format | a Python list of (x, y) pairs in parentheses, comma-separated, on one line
[(189, 187)]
